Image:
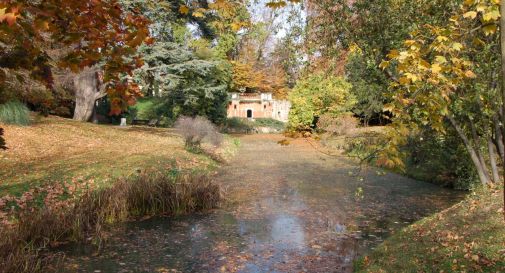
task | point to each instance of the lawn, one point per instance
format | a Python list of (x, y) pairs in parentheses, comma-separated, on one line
[(468, 237), (58, 150)]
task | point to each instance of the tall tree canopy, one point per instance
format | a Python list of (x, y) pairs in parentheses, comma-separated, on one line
[(37, 35)]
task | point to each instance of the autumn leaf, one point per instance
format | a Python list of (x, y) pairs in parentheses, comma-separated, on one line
[(436, 68), (470, 14), (384, 64), (183, 9), (198, 14), (470, 74)]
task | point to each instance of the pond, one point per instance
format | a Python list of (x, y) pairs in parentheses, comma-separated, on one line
[(288, 209)]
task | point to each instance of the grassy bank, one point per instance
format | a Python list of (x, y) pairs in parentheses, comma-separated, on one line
[(57, 150), (468, 237), (65, 181)]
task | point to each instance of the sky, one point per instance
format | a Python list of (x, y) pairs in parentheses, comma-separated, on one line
[(259, 10)]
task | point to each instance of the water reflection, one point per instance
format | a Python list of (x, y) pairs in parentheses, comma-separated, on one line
[(293, 212)]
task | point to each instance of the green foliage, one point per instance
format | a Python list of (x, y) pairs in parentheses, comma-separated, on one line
[(426, 156), (199, 88), (190, 75), (184, 83), (14, 112), (369, 84), (146, 108), (243, 125), (316, 95), (441, 159), (369, 30), (271, 123), (238, 125)]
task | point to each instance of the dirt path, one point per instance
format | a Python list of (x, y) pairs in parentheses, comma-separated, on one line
[(290, 209)]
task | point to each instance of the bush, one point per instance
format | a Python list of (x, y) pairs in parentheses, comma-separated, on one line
[(14, 112), (198, 129), (271, 123), (238, 125), (337, 126), (316, 95), (243, 125)]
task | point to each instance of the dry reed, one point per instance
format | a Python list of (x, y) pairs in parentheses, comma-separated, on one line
[(26, 244)]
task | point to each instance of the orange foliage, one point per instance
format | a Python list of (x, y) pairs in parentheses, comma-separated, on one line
[(92, 31)]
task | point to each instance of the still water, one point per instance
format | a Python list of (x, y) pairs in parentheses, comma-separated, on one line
[(289, 209)]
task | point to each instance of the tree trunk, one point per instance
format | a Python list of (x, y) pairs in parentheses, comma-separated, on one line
[(492, 159), (498, 139), (502, 44), (87, 91), (483, 177), (477, 147), (2, 140)]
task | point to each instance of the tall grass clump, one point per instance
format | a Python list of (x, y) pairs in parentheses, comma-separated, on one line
[(14, 112), (29, 232)]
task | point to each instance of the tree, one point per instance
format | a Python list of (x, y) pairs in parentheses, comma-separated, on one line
[(289, 51), (184, 72), (316, 95), (256, 68), (367, 85), (197, 88), (352, 38), (502, 46), (89, 34), (446, 77)]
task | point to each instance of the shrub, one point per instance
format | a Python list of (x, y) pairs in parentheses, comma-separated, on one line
[(238, 125), (196, 130), (243, 125), (14, 112), (337, 126), (271, 123), (316, 95)]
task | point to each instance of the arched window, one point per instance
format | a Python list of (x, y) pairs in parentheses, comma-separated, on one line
[(249, 113)]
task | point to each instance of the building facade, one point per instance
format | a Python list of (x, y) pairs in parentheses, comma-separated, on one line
[(258, 105)]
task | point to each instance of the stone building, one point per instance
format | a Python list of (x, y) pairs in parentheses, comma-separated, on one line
[(258, 105)]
